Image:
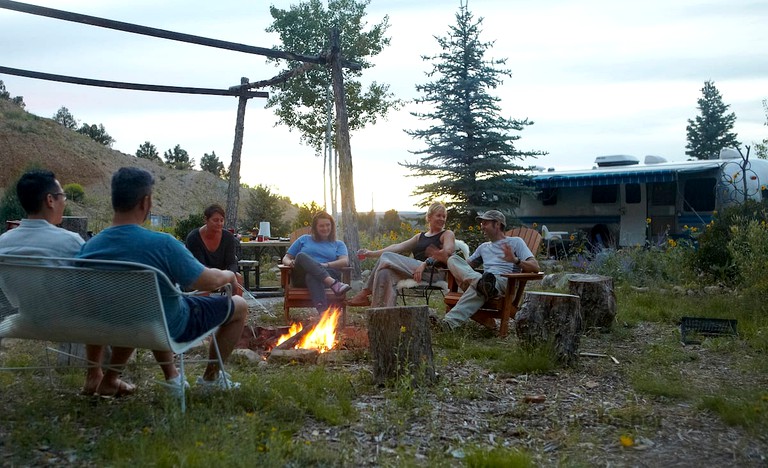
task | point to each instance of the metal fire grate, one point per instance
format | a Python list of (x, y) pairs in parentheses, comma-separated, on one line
[(692, 329)]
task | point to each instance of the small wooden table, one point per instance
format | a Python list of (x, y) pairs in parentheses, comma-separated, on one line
[(255, 249)]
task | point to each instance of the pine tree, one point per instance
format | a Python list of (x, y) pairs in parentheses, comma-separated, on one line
[(711, 131), (148, 151), (211, 163), (470, 149), (178, 158)]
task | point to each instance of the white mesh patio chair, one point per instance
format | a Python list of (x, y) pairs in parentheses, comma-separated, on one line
[(98, 302)]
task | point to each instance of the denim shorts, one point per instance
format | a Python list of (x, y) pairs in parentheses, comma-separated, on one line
[(205, 313)]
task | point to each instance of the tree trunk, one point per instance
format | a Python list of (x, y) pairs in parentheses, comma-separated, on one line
[(77, 352), (598, 301), (80, 226), (551, 319), (401, 344), (76, 224), (233, 190), (348, 212)]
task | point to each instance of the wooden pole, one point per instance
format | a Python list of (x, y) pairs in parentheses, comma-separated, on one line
[(344, 150), (233, 191)]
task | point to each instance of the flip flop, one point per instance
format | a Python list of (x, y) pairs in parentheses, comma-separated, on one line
[(123, 389)]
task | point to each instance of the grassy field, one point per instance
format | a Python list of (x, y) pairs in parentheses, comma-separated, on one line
[(476, 415)]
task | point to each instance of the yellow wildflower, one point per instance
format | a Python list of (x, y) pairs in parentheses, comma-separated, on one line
[(647, 220), (626, 441), (402, 328), (535, 225), (572, 237)]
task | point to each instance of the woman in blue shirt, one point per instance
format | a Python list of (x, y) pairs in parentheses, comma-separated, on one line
[(316, 259)]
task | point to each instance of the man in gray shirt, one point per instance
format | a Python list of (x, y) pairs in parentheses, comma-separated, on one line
[(43, 200)]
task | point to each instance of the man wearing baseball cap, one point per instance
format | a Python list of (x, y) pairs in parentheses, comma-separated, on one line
[(501, 254)]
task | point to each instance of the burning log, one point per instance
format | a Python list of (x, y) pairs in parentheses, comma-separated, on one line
[(401, 344), (296, 338)]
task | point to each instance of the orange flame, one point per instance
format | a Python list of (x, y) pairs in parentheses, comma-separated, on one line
[(321, 337), (295, 328)]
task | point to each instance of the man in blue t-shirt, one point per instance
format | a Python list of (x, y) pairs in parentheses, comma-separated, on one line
[(188, 317)]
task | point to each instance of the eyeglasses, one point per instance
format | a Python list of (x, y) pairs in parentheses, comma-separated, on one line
[(59, 194)]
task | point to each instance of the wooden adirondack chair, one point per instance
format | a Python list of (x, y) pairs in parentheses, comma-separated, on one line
[(299, 297), (503, 307)]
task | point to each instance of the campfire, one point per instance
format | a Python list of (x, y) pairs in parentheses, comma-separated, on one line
[(321, 336)]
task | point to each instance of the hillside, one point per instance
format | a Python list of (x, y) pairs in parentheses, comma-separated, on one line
[(27, 140)]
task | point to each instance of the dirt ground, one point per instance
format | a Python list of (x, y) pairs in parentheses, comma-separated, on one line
[(585, 412), (590, 415)]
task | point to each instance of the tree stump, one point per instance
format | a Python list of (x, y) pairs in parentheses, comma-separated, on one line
[(401, 344), (598, 301), (78, 224), (73, 355), (551, 319)]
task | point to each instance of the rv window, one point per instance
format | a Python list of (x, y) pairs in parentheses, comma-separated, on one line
[(605, 193), (632, 193), (548, 196), (663, 193), (699, 194)]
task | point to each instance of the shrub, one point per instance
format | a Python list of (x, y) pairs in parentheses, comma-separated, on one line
[(660, 266), (748, 248), (185, 226), (75, 192), (713, 258)]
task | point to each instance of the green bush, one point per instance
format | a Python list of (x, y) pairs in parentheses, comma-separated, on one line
[(75, 192), (713, 258), (185, 226), (662, 266), (748, 248)]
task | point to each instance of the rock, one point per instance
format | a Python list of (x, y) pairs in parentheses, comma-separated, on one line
[(247, 354)]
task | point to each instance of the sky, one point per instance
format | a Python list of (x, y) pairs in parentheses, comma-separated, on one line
[(597, 77)]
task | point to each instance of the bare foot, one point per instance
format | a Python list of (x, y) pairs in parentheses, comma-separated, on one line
[(89, 389), (115, 389), (92, 382)]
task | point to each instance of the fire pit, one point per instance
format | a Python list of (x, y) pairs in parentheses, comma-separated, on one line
[(319, 340)]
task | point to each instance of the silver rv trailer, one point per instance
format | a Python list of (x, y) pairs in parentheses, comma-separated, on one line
[(625, 203)]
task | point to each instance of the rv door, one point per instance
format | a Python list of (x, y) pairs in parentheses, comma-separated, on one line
[(634, 211)]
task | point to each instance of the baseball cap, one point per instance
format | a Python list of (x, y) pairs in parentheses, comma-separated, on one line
[(493, 215)]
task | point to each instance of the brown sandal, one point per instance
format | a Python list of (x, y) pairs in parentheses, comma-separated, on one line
[(360, 299)]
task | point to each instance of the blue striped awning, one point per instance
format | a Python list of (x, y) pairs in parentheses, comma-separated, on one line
[(589, 179)]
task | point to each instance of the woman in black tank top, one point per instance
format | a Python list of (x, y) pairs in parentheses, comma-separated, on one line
[(394, 265)]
